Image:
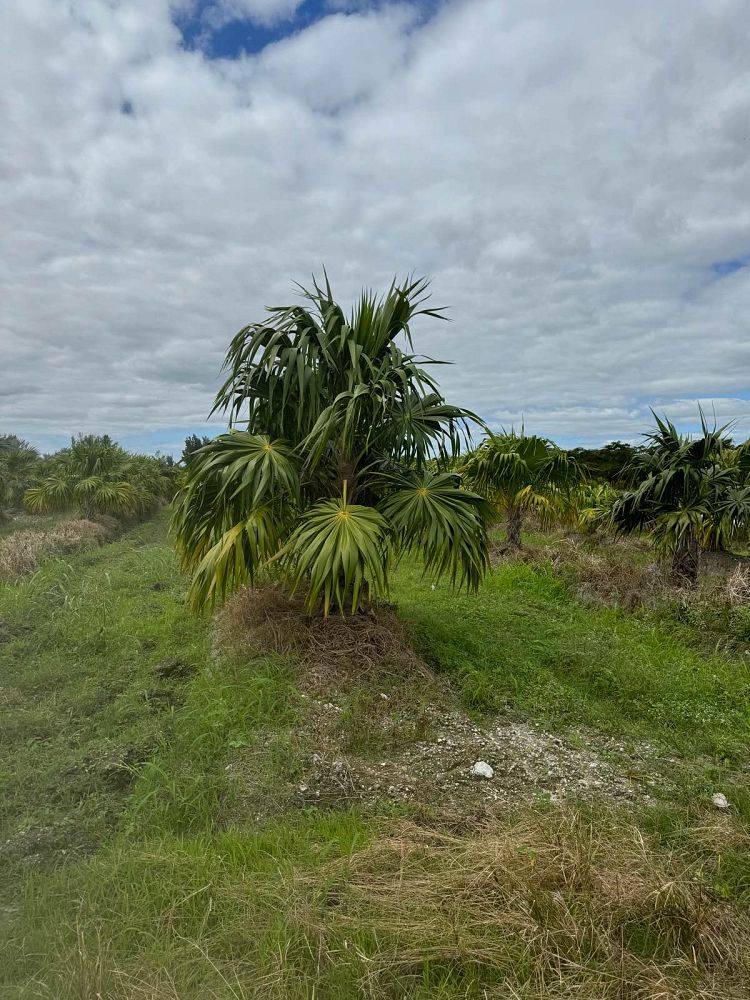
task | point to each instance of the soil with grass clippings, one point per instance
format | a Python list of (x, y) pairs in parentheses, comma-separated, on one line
[(435, 772)]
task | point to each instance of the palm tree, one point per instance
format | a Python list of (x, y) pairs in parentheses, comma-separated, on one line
[(19, 462), (519, 474), (328, 478), (97, 476), (688, 493)]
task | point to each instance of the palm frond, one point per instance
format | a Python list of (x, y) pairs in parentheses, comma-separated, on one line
[(340, 552), (445, 525)]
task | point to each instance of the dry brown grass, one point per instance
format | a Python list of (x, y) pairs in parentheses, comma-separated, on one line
[(552, 906), (610, 573), (736, 589), (23, 551), (332, 651)]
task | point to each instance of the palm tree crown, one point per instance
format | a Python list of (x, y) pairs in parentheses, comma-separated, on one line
[(687, 492), (328, 476), (520, 473), (19, 462)]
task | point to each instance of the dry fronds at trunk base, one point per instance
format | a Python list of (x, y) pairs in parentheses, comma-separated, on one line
[(330, 650)]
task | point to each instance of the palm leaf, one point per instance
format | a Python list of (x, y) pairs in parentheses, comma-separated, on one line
[(440, 522), (340, 551)]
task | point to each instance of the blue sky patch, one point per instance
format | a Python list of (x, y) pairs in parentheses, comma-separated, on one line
[(244, 36), (723, 268)]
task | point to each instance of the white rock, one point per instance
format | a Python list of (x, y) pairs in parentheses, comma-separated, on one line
[(720, 800), (481, 769)]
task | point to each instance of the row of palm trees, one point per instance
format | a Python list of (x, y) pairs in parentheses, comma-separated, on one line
[(342, 456), (94, 475)]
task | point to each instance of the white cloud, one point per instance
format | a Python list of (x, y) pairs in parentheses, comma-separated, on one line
[(567, 173), (260, 11)]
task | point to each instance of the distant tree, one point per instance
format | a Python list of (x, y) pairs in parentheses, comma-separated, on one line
[(96, 476), (192, 443), (608, 463), (520, 473), (688, 493), (19, 463)]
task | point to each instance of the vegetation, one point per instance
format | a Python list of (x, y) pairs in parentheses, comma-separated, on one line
[(329, 478), (521, 474), (532, 788), (193, 442), (19, 462), (134, 867), (608, 464), (96, 476), (690, 493), (22, 551)]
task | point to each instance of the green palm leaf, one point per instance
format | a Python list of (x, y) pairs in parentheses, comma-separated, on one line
[(340, 551), (234, 558), (442, 523)]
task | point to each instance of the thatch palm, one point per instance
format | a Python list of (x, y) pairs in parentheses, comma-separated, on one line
[(519, 474), (689, 493), (328, 480), (19, 462), (97, 476)]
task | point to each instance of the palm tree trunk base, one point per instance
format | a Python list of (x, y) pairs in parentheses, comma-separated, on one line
[(685, 563), (513, 529)]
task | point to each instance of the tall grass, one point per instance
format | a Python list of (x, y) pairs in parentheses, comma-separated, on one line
[(23, 551)]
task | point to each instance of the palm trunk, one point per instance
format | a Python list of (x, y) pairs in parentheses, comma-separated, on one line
[(513, 526), (685, 560), (348, 475)]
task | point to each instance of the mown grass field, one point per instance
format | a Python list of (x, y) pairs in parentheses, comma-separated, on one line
[(131, 871)]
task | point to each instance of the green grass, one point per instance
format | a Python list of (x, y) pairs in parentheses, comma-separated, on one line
[(82, 706), (524, 644), (132, 873)]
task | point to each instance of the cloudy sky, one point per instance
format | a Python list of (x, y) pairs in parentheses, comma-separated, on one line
[(574, 176)]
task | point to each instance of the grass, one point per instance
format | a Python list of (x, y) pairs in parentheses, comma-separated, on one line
[(22, 551), (82, 704), (131, 871), (525, 644)]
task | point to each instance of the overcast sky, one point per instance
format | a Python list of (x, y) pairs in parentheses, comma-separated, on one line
[(574, 177)]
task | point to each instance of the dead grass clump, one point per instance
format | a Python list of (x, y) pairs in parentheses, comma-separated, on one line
[(609, 575), (737, 585), (553, 906), (331, 649), (23, 551)]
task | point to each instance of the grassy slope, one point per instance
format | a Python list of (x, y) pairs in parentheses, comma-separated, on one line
[(524, 643), (187, 909)]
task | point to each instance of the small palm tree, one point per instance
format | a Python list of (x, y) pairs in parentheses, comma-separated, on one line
[(328, 479), (519, 474), (19, 462), (97, 476), (591, 506), (688, 493)]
